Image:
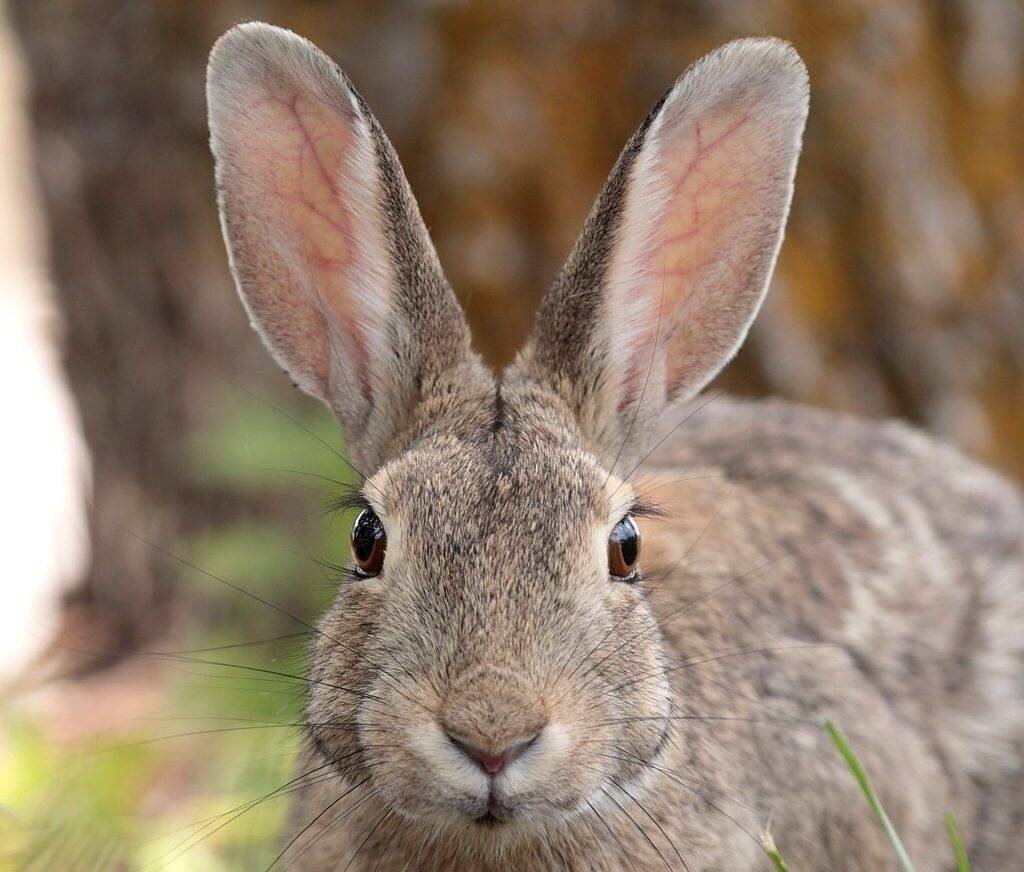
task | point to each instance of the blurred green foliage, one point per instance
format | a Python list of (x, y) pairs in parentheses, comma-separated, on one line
[(175, 789)]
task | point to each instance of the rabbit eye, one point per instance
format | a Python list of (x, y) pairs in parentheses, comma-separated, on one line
[(624, 549), (369, 542)]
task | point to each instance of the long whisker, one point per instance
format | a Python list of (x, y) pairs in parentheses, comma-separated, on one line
[(635, 823), (313, 822), (622, 849), (210, 649), (664, 438), (714, 658), (366, 838), (596, 667), (654, 821), (701, 718), (387, 844), (336, 642), (303, 472), (688, 417), (205, 829), (640, 761), (309, 774), (693, 603), (363, 480), (674, 777)]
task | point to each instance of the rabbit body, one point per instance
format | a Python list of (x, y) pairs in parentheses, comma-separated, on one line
[(837, 568), (507, 682)]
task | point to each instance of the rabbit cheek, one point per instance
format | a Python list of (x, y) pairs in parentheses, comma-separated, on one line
[(637, 681), (341, 683)]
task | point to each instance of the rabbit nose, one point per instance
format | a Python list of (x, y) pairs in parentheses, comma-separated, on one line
[(492, 763)]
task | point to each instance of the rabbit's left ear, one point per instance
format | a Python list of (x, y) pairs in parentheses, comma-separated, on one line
[(675, 258), (327, 246)]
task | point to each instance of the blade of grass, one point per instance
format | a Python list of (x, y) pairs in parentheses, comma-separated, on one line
[(854, 765), (768, 843), (962, 863)]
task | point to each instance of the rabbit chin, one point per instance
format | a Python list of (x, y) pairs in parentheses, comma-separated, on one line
[(433, 783)]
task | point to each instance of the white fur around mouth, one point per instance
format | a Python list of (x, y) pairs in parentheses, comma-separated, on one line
[(526, 774)]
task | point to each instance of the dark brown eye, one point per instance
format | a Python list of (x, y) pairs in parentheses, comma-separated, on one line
[(369, 542), (624, 549)]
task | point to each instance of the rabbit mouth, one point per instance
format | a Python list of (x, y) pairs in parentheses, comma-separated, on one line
[(494, 815)]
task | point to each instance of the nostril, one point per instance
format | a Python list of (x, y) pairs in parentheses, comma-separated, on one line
[(493, 763)]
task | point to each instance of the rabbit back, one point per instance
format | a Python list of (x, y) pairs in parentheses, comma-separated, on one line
[(877, 577)]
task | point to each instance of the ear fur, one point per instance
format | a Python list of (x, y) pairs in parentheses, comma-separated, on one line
[(676, 255), (326, 243)]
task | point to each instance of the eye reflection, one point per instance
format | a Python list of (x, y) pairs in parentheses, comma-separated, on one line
[(369, 542), (624, 549)]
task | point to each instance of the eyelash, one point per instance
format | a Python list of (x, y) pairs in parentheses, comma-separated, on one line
[(353, 500), (647, 509)]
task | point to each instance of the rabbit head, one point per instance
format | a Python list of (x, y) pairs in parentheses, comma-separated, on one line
[(480, 669)]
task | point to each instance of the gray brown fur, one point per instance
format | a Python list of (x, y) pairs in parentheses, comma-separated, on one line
[(806, 565)]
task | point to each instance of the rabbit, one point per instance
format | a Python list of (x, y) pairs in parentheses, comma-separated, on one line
[(595, 620)]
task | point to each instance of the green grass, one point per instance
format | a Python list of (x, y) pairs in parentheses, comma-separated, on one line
[(855, 767), (959, 852), (860, 775), (768, 843)]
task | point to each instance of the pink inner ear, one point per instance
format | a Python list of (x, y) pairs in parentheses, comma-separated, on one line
[(699, 203), (305, 147), (703, 172)]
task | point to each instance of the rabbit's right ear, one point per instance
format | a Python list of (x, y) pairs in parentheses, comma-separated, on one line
[(326, 243), (676, 255)]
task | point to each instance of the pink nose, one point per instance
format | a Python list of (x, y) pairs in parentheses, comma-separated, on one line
[(492, 764)]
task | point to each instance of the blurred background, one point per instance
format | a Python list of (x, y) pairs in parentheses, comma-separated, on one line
[(153, 452)]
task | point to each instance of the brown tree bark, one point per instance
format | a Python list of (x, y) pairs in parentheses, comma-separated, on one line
[(120, 136)]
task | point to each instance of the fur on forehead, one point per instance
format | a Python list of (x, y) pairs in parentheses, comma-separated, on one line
[(521, 453)]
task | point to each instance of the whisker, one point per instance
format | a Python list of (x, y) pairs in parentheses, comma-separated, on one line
[(273, 672), (700, 718), (387, 844), (664, 438), (271, 640), (203, 831), (366, 838), (359, 473), (693, 603), (639, 761), (714, 658), (624, 853), (313, 822), (301, 472), (637, 602), (281, 611), (654, 821), (635, 823), (672, 776), (212, 731)]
